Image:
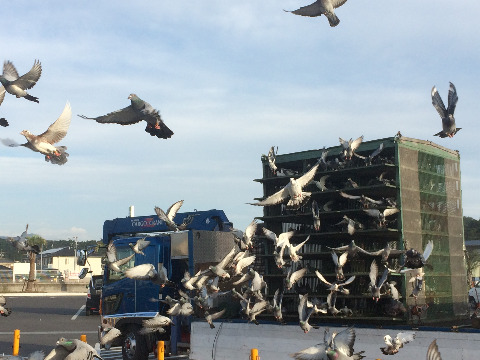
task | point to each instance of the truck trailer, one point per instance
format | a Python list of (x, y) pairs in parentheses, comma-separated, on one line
[(126, 302)]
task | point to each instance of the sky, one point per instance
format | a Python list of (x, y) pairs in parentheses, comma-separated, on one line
[(230, 79)]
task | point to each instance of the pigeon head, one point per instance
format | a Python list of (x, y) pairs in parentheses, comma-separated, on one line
[(27, 134)]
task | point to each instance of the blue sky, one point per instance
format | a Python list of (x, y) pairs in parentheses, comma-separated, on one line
[(230, 79)]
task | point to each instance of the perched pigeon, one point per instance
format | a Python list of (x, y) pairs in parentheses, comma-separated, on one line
[(271, 159), (432, 352), (148, 272), (349, 147), (168, 216), (319, 7), (16, 85), (139, 246), (43, 143), (449, 128), (375, 286), (292, 191), (112, 262), (316, 216), (4, 311), (394, 345), (21, 244), (137, 111)]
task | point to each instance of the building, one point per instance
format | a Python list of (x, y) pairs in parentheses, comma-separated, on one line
[(64, 260), (420, 178), (473, 250)]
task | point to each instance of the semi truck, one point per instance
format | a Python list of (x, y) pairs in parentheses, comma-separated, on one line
[(126, 302)]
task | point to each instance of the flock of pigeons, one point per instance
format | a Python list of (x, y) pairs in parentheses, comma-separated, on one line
[(44, 143)]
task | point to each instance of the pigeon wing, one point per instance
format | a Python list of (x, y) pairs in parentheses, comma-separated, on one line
[(428, 250), (372, 212), (438, 103), (345, 340), (312, 10), (2, 94), (317, 352), (432, 352), (29, 80), (125, 116), (320, 276), (306, 178), (270, 235), (348, 196), (452, 99), (276, 198), (388, 212), (111, 252), (337, 3), (357, 142), (217, 315), (142, 243), (251, 229), (373, 272), (406, 337), (173, 209), (59, 128), (9, 71), (343, 258)]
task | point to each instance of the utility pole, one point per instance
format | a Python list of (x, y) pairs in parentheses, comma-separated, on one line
[(74, 254)]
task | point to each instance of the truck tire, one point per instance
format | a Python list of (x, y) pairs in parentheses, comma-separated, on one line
[(134, 345), (88, 312)]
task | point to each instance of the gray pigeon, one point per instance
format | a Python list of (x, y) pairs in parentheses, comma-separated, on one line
[(169, 215), (349, 147), (395, 344), (4, 311), (341, 346), (16, 85), (21, 244), (137, 111), (352, 249), (319, 7), (449, 128), (304, 313), (112, 262), (272, 154), (73, 349), (316, 216), (375, 286), (210, 317), (43, 143)]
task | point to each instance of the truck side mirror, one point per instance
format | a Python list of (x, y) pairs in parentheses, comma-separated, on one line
[(83, 273), (81, 257)]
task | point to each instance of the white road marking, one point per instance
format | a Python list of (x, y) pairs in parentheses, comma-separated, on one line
[(78, 312)]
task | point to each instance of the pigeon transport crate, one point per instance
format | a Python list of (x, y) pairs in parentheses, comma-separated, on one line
[(420, 178)]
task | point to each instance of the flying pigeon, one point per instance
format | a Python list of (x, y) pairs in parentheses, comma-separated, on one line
[(137, 111), (415, 260), (168, 216), (339, 261), (148, 272), (111, 335), (43, 143), (292, 250), (244, 240), (316, 352), (386, 252), (449, 128), (292, 191), (341, 346), (432, 352), (349, 147), (16, 85), (4, 311), (112, 262), (417, 283), (157, 323), (394, 345), (277, 305), (352, 250), (380, 216), (336, 285), (257, 309), (375, 286), (351, 224), (210, 317), (139, 246), (321, 183), (75, 350), (319, 7), (292, 278), (304, 313), (362, 199), (21, 244), (368, 159)]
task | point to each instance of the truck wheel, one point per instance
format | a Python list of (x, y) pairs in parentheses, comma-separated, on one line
[(88, 312), (134, 345)]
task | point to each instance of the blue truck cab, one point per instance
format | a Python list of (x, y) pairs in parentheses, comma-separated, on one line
[(126, 302)]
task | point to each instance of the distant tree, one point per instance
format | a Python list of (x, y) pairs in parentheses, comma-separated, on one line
[(40, 242), (471, 228)]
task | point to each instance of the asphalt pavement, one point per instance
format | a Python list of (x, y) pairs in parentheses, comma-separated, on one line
[(43, 318)]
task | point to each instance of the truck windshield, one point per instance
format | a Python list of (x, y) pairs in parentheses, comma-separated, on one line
[(122, 252)]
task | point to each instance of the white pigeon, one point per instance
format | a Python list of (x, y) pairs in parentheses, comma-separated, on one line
[(210, 317), (350, 146), (293, 191), (109, 336), (336, 286), (293, 277), (148, 272), (168, 216), (292, 250), (243, 264), (394, 345), (319, 7), (244, 240), (112, 262)]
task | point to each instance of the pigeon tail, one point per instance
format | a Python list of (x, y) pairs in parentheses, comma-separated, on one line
[(32, 98), (58, 159), (162, 132), (3, 122), (333, 20)]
